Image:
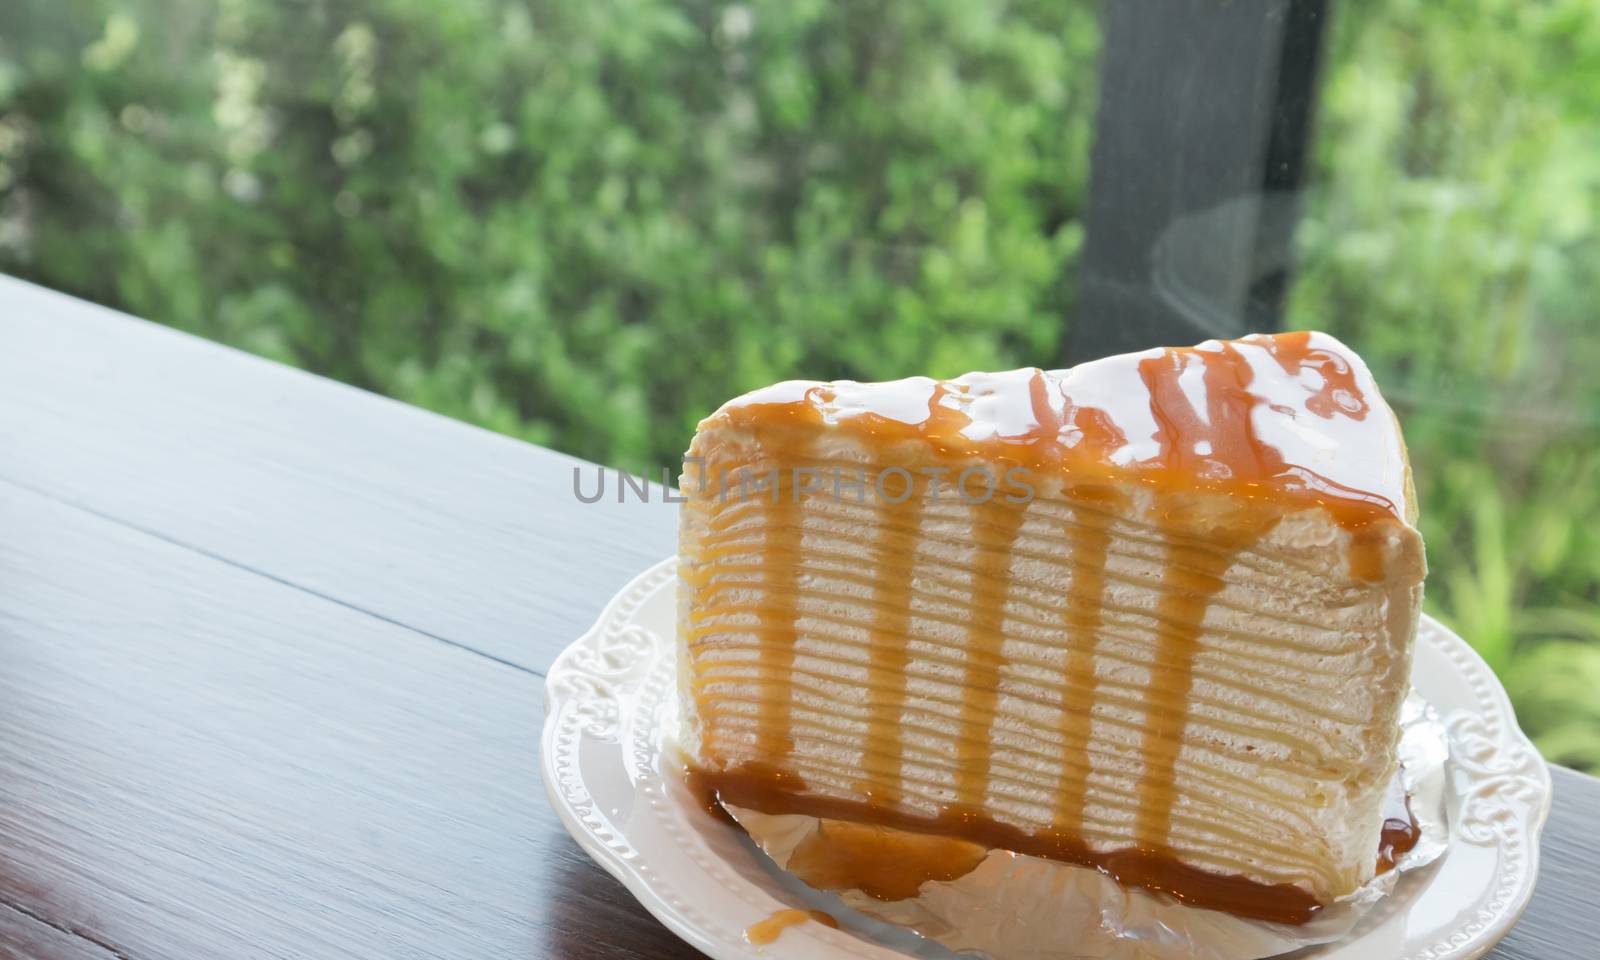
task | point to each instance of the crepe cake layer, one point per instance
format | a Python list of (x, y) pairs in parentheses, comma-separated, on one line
[(1152, 614)]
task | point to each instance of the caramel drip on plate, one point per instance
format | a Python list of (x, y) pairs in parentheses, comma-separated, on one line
[(880, 862), (892, 556), (758, 788), (1087, 548), (766, 931), (995, 527)]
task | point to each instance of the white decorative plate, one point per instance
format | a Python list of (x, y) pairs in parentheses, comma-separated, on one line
[(611, 697)]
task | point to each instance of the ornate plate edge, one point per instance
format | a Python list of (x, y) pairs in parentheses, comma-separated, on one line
[(1490, 750)]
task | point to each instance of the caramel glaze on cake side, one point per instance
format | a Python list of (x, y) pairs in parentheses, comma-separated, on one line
[(1275, 425)]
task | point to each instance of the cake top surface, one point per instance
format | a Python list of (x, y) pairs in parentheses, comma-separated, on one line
[(1281, 417)]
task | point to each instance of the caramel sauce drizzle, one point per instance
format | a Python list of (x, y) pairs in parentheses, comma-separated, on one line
[(777, 616), (886, 672), (1193, 575), (1279, 423), (764, 932), (994, 532), (1301, 422), (1088, 546), (1400, 829)]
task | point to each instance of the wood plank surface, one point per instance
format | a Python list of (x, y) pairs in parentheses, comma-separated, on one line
[(1562, 921), (453, 531), (268, 669), (23, 937), (196, 761)]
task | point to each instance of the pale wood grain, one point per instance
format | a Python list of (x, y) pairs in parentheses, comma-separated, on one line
[(23, 937), (196, 761), (1562, 920), (453, 531)]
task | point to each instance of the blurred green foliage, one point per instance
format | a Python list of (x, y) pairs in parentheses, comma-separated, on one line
[(587, 224), (1454, 238), (581, 223)]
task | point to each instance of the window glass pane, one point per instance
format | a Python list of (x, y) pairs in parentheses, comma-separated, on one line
[(1451, 237)]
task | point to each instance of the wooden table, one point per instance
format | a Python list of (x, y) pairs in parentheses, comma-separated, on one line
[(271, 657)]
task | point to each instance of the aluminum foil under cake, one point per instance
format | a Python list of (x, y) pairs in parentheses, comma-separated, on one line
[(1014, 907)]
